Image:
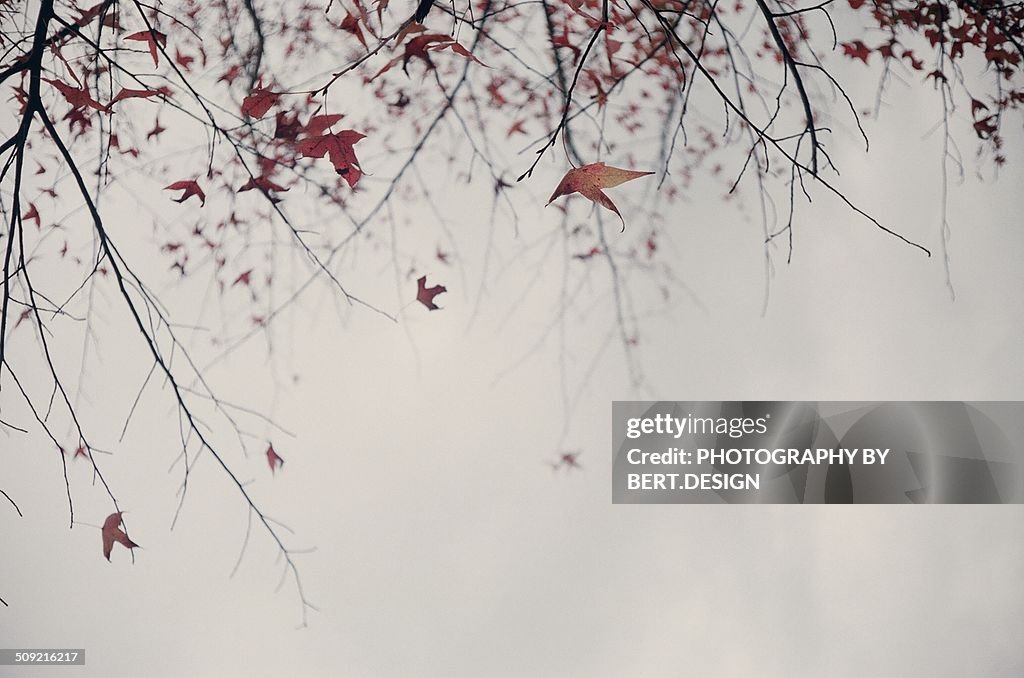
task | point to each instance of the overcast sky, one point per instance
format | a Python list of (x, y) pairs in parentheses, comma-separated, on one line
[(443, 544)]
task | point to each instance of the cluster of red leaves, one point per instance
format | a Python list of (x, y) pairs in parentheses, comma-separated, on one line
[(988, 29), (284, 132)]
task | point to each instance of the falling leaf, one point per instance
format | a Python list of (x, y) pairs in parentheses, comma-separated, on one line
[(589, 181), (425, 295), (190, 188), (273, 459), (112, 532)]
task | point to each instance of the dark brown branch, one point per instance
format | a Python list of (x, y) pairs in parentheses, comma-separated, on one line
[(795, 70)]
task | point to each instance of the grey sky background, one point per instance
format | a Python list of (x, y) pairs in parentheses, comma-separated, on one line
[(443, 544)]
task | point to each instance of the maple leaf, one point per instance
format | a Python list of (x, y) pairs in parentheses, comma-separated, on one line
[(856, 50), (156, 131), (112, 532), (153, 38), (25, 315), (589, 180), (601, 98), (244, 278), (286, 127), (262, 182), (425, 295), (78, 97), (259, 102), (319, 124), (32, 213), (274, 459), (570, 459), (567, 460), (230, 75), (86, 16), (190, 188), (350, 24), (183, 60), (986, 127), (516, 128), (420, 46), (337, 147), (126, 93)]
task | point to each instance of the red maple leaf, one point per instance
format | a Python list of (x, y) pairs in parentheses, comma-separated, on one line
[(274, 459), (516, 128), (32, 213), (80, 451), (126, 93), (243, 278), (589, 181), (856, 50), (419, 48), (567, 460), (986, 127), (230, 75), (319, 124), (337, 147), (190, 188), (259, 102), (570, 459), (156, 131), (153, 38), (78, 97), (287, 127), (350, 24), (425, 295), (112, 532), (262, 182), (184, 60)]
